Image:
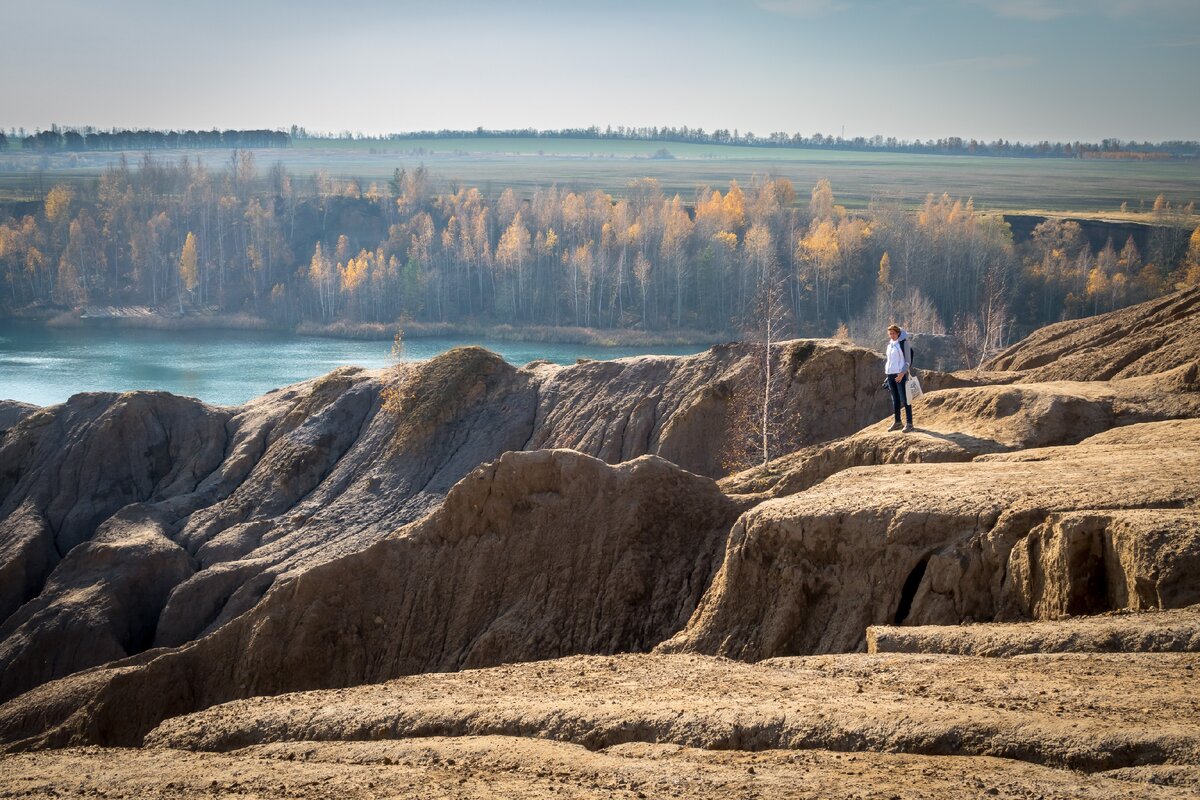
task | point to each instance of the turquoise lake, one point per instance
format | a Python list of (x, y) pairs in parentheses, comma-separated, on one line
[(47, 365)]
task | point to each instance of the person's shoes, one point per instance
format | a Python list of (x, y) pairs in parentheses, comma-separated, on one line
[(895, 426), (908, 427)]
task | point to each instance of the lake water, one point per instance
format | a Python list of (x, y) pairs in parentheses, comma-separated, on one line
[(47, 365)]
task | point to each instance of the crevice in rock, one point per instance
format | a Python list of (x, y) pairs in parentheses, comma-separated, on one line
[(536, 387), (909, 592)]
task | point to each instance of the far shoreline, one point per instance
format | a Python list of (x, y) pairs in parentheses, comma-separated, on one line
[(141, 318)]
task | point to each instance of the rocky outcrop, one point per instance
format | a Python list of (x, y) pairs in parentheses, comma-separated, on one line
[(1155, 336), (74, 466), (1171, 631), (243, 497), (101, 603), (12, 412), (533, 556), (1090, 562), (65, 472), (105, 482), (926, 543), (325, 478)]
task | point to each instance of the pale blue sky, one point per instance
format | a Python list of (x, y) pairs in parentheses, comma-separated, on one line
[(1017, 69)]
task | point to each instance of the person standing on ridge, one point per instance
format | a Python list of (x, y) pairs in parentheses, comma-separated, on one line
[(897, 365)]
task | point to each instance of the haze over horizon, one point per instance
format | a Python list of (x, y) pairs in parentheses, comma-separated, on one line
[(1015, 69)]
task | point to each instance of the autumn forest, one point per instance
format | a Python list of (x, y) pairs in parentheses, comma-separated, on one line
[(182, 238)]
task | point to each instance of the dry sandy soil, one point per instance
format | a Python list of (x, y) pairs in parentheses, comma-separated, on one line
[(497, 766), (909, 726)]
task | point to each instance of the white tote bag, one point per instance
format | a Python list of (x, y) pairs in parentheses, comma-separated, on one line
[(913, 389)]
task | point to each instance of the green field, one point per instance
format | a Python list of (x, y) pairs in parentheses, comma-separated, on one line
[(1008, 184)]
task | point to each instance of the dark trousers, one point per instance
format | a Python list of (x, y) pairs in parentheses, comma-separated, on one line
[(899, 397)]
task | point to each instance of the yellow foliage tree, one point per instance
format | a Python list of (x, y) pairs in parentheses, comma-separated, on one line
[(821, 204), (884, 279), (321, 275), (69, 289), (1097, 287), (188, 273), (819, 251), (734, 206), (58, 202), (1191, 263), (548, 243), (710, 215), (512, 252), (513, 248), (727, 240)]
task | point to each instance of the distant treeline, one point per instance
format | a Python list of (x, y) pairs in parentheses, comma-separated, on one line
[(82, 139), (951, 145), (177, 235)]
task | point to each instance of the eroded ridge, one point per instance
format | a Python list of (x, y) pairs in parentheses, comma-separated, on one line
[(1041, 709), (143, 520)]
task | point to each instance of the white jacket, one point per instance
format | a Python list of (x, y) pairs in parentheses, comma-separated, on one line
[(898, 359)]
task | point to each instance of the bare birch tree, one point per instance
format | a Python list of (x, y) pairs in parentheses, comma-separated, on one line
[(756, 429)]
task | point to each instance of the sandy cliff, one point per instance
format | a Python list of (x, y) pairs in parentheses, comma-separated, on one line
[(1150, 337), (931, 543)]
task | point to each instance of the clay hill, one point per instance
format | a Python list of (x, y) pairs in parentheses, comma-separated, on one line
[(540, 580)]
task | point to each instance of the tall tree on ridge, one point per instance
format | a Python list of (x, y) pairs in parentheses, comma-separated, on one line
[(766, 328)]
